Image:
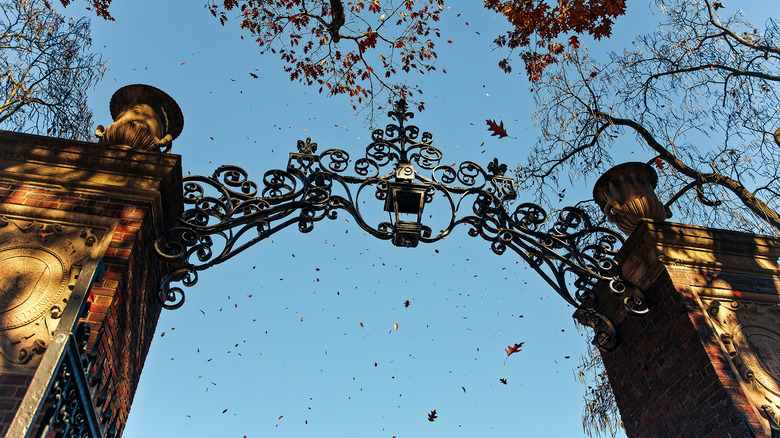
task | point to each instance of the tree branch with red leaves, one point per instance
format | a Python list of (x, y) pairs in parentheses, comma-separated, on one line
[(350, 48), (362, 48), (538, 26)]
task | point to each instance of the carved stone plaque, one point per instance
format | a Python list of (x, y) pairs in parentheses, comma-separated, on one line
[(750, 336), (759, 349), (32, 281), (38, 262)]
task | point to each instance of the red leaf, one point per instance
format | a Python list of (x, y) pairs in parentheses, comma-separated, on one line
[(432, 415), (496, 129), (659, 163), (513, 349), (574, 42)]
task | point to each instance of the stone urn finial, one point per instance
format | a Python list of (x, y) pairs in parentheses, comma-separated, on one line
[(145, 118), (626, 195)]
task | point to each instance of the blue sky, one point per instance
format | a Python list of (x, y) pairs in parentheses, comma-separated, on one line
[(293, 359)]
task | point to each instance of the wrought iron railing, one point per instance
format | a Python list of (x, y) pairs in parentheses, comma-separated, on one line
[(62, 399)]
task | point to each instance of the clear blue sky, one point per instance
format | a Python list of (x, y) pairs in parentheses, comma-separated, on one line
[(301, 352)]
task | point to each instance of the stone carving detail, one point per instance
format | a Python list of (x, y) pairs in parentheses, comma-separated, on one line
[(626, 195), (750, 333), (145, 118), (40, 263)]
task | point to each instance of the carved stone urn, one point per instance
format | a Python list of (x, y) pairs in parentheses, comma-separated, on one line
[(145, 118), (626, 195)]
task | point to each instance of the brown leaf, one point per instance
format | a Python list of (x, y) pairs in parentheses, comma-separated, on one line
[(513, 349), (432, 415), (497, 129)]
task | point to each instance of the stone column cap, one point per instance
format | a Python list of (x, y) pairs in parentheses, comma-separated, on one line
[(629, 168), (141, 93)]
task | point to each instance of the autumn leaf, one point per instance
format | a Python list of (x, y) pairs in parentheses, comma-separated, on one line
[(395, 326), (497, 129), (502, 380), (659, 163), (513, 349), (574, 42), (407, 303), (432, 416)]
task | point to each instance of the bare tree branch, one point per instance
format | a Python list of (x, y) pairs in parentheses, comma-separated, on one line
[(45, 70)]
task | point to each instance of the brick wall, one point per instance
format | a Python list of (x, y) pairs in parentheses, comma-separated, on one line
[(135, 196), (671, 374), (12, 389), (123, 305)]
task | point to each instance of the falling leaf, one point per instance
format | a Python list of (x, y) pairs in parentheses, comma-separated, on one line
[(502, 380), (432, 415), (497, 129), (407, 303), (659, 163), (224, 411), (574, 42), (395, 326), (361, 324), (162, 335), (280, 417), (514, 349), (463, 388)]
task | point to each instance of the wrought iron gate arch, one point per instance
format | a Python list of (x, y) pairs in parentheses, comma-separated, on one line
[(226, 213)]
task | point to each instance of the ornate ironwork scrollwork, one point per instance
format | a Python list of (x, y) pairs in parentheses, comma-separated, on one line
[(224, 215)]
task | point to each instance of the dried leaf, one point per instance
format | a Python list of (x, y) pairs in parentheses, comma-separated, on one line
[(432, 415), (514, 349), (497, 129)]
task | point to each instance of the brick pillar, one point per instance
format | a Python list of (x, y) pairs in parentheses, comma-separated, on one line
[(66, 189), (705, 361)]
